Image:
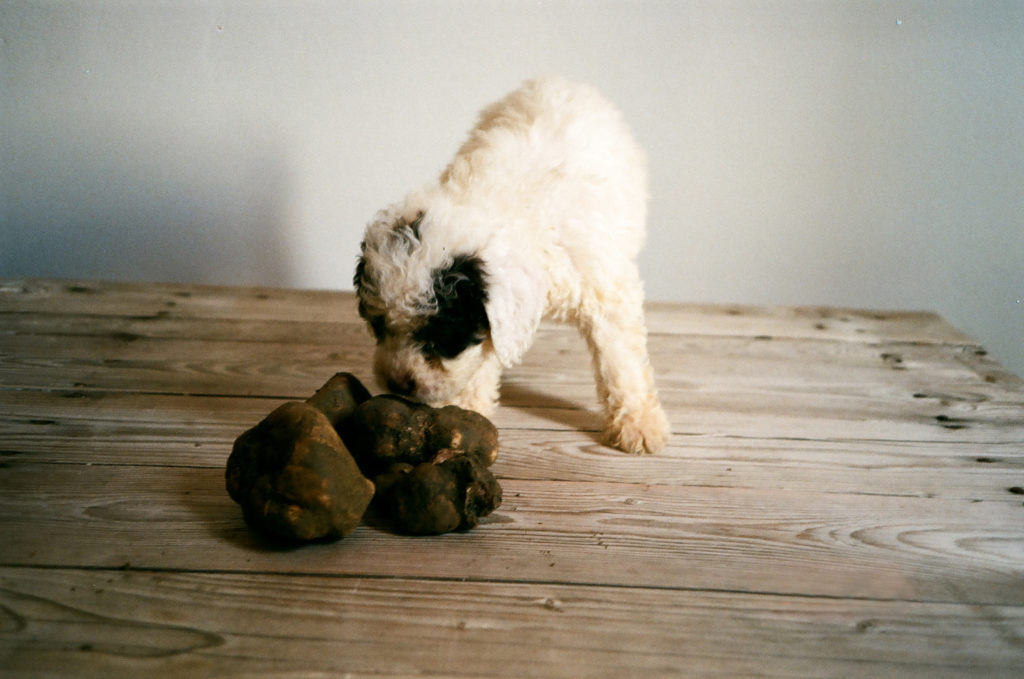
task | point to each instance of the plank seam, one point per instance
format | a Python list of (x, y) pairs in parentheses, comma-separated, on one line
[(128, 568)]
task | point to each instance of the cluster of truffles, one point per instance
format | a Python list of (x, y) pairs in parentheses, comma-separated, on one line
[(310, 469)]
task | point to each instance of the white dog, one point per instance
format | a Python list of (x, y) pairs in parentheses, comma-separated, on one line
[(541, 212)]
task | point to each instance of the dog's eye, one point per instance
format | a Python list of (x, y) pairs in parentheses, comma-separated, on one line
[(444, 339)]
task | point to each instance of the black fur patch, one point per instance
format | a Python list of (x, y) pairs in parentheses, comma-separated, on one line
[(414, 226), (357, 280), (461, 318), (375, 321)]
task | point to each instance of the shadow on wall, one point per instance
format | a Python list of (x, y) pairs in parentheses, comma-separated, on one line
[(111, 201)]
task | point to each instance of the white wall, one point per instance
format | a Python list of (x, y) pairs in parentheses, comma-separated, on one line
[(867, 154)]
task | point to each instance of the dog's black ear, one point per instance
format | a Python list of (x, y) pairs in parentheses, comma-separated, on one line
[(359, 281), (460, 292)]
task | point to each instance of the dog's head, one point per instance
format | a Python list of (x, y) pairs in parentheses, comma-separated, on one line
[(439, 300)]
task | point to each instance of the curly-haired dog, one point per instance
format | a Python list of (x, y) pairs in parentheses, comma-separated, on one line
[(541, 212)]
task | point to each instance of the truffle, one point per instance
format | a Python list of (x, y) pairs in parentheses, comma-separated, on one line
[(301, 473), (295, 479), (430, 499), (388, 429), (339, 397), (454, 431)]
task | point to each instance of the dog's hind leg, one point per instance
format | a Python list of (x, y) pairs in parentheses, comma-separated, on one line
[(613, 325)]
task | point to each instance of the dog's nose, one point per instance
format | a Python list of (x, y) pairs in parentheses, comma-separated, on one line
[(403, 384)]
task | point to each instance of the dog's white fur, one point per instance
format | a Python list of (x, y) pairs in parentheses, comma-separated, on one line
[(550, 193)]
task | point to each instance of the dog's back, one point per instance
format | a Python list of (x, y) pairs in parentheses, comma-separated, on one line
[(555, 155)]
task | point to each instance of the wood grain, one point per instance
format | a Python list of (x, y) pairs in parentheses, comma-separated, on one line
[(841, 497), (568, 532), (825, 395), (158, 624), (92, 427), (157, 301)]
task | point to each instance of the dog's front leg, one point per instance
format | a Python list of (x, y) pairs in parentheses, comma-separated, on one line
[(481, 392), (634, 419)]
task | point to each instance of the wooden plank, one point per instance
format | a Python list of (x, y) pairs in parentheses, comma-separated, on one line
[(674, 357), (815, 544), (789, 322), (139, 429), (165, 624), (72, 326), (164, 299), (161, 302), (815, 394), (678, 361), (841, 497)]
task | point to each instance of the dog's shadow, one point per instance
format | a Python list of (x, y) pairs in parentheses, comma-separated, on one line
[(570, 414)]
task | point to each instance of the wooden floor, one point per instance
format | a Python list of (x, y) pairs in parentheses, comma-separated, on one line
[(841, 497)]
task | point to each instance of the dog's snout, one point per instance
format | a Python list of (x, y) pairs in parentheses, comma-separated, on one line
[(401, 383)]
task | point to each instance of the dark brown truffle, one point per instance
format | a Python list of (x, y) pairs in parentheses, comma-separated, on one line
[(387, 429), (339, 397), (430, 499), (454, 431), (295, 479), (294, 476)]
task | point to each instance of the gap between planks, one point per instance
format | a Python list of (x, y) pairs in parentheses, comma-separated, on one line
[(129, 568)]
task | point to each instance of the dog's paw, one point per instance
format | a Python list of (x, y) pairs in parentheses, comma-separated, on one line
[(480, 402), (639, 432)]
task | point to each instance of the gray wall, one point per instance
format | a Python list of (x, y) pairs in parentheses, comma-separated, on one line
[(867, 154)]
